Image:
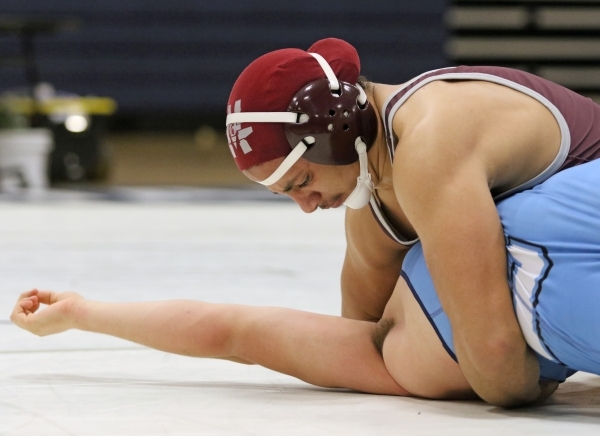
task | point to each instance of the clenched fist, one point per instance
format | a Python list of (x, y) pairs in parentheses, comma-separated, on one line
[(56, 318)]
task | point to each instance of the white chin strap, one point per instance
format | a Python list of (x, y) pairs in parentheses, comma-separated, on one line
[(361, 195)]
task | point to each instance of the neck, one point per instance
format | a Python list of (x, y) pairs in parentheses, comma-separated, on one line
[(378, 155)]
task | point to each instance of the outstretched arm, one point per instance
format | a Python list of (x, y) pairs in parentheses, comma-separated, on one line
[(322, 350)]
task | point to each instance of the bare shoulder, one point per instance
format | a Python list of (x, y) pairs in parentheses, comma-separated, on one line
[(443, 110), (436, 131), (459, 95), (511, 136)]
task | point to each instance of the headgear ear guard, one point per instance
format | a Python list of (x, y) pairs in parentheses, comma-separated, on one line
[(322, 120)]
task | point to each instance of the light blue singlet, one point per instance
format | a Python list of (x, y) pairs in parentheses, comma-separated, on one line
[(552, 236)]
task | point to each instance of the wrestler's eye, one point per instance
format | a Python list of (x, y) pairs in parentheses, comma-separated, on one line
[(305, 182)]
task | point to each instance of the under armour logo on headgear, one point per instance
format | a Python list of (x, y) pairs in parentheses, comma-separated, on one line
[(235, 134)]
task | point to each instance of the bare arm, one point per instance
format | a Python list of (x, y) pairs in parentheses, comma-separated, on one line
[(371, 267), (445, 193), (323, 350)]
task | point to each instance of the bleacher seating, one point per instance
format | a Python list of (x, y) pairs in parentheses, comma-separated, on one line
[(556, 39)]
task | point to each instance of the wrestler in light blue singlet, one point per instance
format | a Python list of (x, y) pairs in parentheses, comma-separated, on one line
[(553, 250)]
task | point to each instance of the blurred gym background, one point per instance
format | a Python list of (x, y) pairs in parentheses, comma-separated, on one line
[(133, 92)]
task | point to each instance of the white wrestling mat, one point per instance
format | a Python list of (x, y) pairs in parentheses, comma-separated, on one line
[(261, 253)]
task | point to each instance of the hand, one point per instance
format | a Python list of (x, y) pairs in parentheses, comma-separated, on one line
[(56, 318)]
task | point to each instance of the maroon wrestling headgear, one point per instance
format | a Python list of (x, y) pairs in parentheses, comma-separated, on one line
[(291, 103)]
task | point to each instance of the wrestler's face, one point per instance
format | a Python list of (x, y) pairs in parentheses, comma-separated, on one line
[(310, 185)]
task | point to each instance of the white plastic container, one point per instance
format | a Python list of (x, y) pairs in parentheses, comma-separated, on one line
[(24, 158)]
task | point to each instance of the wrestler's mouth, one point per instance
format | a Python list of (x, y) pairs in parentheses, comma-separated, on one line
[(337, 201)]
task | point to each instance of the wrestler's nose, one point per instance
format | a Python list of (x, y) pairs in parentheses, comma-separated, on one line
[(308, 201)]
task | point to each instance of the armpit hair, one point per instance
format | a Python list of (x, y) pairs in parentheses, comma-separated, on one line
[(380, 333)]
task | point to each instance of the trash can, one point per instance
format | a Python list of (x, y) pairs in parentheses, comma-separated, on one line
[(24, 158), (78, 126)]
